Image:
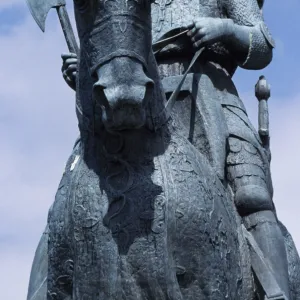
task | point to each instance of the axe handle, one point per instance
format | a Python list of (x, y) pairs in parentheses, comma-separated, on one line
[(67, 29)]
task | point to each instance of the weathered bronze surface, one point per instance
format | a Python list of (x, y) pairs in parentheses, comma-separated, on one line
[(166, 200)]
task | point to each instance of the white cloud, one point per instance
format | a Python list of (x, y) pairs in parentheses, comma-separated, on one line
[(4, 4), (13, 268), (10, 3), (285, 144), (38, 129), (280, 48)]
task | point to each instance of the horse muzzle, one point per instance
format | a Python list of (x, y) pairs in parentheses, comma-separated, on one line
[(123, 91)]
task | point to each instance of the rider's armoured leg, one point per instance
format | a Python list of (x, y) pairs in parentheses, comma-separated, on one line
[(248, 174)]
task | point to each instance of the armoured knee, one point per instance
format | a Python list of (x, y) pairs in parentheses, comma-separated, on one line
[(252, 198), (256, 220)]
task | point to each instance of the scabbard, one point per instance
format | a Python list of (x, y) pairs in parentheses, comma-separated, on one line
[(263, 118)]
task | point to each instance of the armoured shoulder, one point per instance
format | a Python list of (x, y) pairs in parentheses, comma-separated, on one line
[(265, 31), (248, 13), (243, 12)]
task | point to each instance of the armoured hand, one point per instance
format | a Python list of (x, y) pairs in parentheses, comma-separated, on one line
[(69, 69), (206, 31)]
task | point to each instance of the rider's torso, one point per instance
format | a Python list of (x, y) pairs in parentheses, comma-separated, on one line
[(170, 14)]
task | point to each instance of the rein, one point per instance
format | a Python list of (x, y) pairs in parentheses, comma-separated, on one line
[(163, 117), (165, 114)]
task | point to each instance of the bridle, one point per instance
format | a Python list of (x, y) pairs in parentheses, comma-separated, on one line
[(162, 118)]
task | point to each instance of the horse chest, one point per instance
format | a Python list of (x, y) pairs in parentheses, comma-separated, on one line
[(142, 231), (118, 230)]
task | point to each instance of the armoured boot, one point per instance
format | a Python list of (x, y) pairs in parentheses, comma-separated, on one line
[(266, 233)]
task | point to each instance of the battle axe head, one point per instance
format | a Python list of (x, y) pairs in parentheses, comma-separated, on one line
[(40, 8)]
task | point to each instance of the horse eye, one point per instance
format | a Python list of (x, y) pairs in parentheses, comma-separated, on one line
[(81, 5)]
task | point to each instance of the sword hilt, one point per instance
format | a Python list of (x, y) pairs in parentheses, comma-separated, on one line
[(263, 93)]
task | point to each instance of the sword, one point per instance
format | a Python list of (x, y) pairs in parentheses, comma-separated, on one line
[(263, 93)]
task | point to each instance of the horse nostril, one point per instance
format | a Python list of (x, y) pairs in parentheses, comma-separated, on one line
[(98, 91), (122, 91), (150, 85)]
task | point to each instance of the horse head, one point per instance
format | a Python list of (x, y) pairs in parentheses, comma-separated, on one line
[(115, 39)]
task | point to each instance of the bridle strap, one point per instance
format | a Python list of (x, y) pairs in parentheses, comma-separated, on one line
[(163, 42), (165, 114)]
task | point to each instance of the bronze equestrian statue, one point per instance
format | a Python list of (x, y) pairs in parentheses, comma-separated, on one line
[(165, 199)]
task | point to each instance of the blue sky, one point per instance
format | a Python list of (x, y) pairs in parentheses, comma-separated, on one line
[(38, 127)]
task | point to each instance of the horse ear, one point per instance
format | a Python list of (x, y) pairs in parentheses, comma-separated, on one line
[(260, 3)]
